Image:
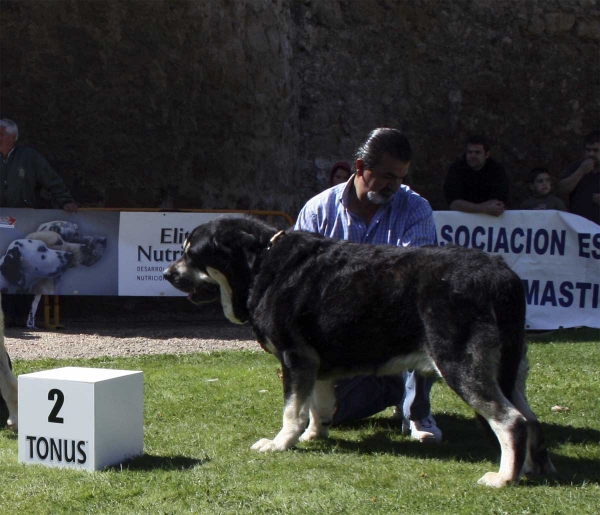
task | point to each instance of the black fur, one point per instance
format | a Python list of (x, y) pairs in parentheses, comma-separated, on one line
[(11, 267), (328, 309)]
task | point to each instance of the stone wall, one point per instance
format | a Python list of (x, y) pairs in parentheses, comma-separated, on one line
[(246, 103)]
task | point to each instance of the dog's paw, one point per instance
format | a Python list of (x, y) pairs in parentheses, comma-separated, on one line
[(12, 424), (314, 434), (494, 480), (266, 445)]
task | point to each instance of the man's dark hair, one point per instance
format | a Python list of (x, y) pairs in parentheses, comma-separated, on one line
[(479, 139), (383, 141), (591, 138), (535, 172)]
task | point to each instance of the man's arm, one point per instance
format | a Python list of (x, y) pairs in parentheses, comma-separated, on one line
[(569, 183), (420, 228), (55, 185), (307, 220), (490, 207), (454, 191)]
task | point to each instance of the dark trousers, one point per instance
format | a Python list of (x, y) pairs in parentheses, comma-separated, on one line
[(363, 396), (16, 307)]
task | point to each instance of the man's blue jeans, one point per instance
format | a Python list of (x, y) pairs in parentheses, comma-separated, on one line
[(363, 396)]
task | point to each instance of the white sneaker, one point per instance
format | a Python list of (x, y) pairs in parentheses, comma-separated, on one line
[(426, 430)]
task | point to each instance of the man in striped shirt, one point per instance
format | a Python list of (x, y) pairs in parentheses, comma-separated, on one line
[(375, 207)]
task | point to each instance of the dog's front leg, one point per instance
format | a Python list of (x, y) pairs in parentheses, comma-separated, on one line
[(299, 377), (321, 411), (8, 387)]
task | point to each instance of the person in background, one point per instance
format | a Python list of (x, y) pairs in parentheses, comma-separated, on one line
[(374, 207), (581, 181), (24, 172), (540, 185), (340, 172), (477, 183)]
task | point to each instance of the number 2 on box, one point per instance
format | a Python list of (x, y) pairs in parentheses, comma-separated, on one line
[(60, 399)]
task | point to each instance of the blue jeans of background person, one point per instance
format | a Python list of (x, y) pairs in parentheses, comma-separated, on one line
[(363, 396), (416, 405)]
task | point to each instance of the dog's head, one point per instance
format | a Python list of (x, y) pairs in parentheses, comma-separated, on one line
[(218, 257), (55, 241), (61, 235), (26, 261), (92, 249), (68, 230)]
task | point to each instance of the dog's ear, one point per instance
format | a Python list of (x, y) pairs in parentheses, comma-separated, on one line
[(11, 267), (251, 246)]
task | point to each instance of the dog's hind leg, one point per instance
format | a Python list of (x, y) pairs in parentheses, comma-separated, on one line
[(507, 423), (299, 378), (472, 369), (537, 461), (321, 411)]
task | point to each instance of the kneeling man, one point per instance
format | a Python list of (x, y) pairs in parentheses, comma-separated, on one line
[(375, 207)]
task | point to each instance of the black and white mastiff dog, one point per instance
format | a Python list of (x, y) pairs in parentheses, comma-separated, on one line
[(329, 309)]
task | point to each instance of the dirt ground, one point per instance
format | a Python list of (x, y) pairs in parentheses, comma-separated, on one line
[(95, 327)]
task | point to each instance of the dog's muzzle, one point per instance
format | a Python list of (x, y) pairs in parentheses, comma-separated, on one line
[(199, 292)]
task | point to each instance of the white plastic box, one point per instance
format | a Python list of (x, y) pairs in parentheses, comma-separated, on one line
[(84, 418)]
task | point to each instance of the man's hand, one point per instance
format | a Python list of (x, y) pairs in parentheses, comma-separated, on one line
[(596, 198), (587, 166), (493, 207), (71, 207)]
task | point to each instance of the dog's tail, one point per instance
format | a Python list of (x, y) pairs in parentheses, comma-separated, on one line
[(509, 309)]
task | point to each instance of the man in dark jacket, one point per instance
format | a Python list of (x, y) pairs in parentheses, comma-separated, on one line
[(24, 172), (477, 183), (581, 181)]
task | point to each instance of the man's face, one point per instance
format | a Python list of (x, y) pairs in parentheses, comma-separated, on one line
[(339, 176), (7, 141), (476, 156), (383, 180), (593, 150)]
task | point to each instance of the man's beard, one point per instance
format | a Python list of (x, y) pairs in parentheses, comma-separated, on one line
[(476, 165), (379, 197)]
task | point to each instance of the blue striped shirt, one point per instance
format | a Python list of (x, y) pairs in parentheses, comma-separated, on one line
[(406, 220)]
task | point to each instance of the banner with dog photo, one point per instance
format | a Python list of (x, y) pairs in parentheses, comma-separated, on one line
[(49, 251), (148, 243), (556, 255)]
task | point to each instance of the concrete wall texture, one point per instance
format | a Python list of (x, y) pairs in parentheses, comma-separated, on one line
[(245, 104)]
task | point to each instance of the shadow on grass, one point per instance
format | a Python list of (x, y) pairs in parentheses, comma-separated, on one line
[(150, 462), (465, 441)]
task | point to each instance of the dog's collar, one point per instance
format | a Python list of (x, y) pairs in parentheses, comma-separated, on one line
[(274, 239)]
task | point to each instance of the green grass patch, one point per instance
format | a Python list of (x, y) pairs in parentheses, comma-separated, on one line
[(198, 433)]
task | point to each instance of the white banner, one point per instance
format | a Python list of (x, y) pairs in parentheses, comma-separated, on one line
[(556, 255), (148, 243)]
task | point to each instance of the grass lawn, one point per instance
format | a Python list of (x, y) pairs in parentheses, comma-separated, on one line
[(198, 433)]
